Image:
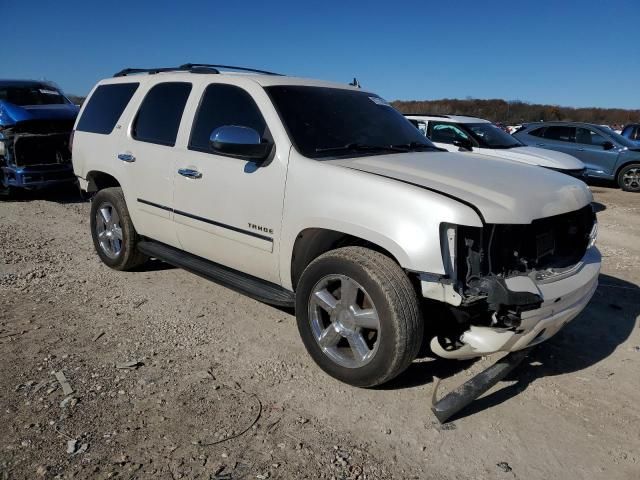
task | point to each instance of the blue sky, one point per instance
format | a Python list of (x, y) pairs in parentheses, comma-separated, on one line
[(561, 52)]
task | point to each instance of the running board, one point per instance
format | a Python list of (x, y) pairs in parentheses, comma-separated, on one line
[(253, 287)]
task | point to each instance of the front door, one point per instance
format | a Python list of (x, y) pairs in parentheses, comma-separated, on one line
[(591, 150), (229, 210)]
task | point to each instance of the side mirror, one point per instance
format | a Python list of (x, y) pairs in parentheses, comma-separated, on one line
[(241, 142), (464, 143), (608, 145)]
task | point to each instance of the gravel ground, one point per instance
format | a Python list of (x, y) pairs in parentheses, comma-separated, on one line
[(176, 377)]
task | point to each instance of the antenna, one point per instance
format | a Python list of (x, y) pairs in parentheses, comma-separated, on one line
[(355, 83)]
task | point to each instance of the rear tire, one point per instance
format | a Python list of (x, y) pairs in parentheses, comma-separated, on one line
[(359, 316), (629, 178), (5, 192), (113, 233)]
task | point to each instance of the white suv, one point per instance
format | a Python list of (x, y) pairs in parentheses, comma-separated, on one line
[(469, 134), (321, 196)]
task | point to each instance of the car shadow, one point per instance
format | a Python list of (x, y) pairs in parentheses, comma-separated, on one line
[(154, 265), (595, 334), (66, 194), (598, 207)]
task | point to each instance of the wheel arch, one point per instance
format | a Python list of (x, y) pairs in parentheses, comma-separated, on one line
[(98, 180), (626, 164), (310, 243)]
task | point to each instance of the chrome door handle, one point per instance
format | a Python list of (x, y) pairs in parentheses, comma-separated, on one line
[(581, 149), (189, 173), (126, 157), (540, 144)]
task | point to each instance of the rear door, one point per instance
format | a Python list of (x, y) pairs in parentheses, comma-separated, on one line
[(148, 157), (559, 137)]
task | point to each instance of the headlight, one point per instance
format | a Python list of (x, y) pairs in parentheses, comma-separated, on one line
[(593, 235)]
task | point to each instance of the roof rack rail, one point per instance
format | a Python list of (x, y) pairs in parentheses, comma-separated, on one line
[(427, 115), (190, 67)]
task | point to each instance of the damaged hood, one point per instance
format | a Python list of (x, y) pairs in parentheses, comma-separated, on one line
[(10, 114), (503, 191), (536, 156)]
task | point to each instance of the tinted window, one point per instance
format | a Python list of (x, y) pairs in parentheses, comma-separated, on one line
[(538, 132), (160, 113), (563, 134), (105, 107), (326, 122), (589, 137), (446, 133), (224, 105)]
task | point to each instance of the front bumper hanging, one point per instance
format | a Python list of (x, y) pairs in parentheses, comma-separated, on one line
[(466, 393)]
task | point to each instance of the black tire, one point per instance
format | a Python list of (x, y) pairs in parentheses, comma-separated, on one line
[(394, 298), (128, 257), (634, 186), (6, 192)]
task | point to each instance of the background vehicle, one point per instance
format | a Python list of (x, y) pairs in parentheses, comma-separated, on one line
[(605, 154), (322, 196), (632, 132), (35, 124), (460, 133)]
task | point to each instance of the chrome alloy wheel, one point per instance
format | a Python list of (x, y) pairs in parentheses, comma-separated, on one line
[(631, 179), (344, 321), (108, 230)]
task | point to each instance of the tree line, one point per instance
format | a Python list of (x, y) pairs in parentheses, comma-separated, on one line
[(516, 111)]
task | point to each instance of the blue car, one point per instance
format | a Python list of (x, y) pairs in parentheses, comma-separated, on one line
[(605, 154), (36, 121)]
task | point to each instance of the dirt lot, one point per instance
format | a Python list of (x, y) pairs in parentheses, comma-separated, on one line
[(223, 388)]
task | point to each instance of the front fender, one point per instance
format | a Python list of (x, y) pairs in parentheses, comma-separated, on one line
[(400, 218)]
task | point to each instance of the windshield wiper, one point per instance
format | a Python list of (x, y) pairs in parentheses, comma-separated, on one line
[(362, 147), (414, 146)]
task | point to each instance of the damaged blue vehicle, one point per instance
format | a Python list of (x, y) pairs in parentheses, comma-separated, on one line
[(36, 121)]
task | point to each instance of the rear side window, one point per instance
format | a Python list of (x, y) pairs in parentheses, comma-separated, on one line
[(224, 105), (562, 134), (159, 116), (105, 107)]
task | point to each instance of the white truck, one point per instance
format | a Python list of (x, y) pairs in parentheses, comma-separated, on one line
[(322, 197), (458, 133)]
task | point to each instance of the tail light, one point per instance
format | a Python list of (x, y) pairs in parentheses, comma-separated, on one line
[(71, 140)]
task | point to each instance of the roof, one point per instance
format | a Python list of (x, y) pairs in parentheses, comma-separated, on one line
[(450, 118), (23, 83), (188, 71)]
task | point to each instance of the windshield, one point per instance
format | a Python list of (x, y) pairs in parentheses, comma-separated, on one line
[(24, 95), (619, 139), (329, 122), (489, 135)]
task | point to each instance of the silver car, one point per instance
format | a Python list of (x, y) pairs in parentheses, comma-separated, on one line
[(606, 154)]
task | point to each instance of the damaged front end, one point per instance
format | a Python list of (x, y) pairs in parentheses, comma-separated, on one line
[(36, 121), (35, 154), (501, 282)]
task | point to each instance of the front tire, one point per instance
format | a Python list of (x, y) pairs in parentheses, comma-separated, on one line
[(113, 233), (629, 178), (359, 316)]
